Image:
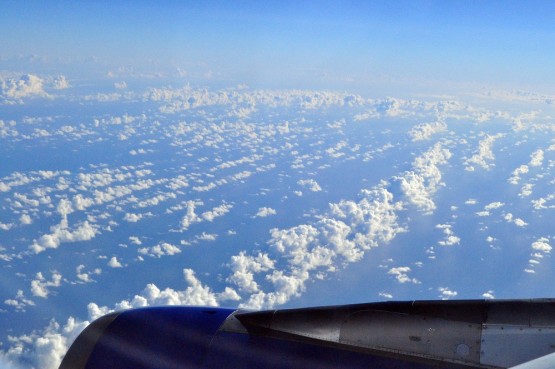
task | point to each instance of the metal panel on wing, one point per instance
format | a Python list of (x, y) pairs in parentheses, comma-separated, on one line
[(413, 334), (507, 346)]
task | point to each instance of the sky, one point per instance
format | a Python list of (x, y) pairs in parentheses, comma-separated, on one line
[(268, 155), (335, 44)]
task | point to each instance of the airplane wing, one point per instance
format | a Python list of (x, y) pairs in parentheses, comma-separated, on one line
[(412, 334), (544, 362)]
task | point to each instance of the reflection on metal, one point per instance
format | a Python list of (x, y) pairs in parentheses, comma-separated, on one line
[(507, 346), (413, 335), (480, 334), (232, 324)]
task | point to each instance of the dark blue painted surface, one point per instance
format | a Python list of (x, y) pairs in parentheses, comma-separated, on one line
[(235, 350), (165, 337), (188, 338)]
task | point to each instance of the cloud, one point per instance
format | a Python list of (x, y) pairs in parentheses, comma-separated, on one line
[(85, 277), (515, 178), (7, 129), (217, 212), (540, 248), (190, 217), (526, 190), (450, 238), (132, 218), (446, 293), (25, 219), (44, 349), (195, 294), (536, 159), (484, 157), (517, 221), (114, 263), (401, 275), (337, 239), (207, 236), (426, 130), (61, 234), (244, 266), (162, 249), (135, 240), (542, 245), (40, 286), (310, 185), (19, 302), (488, 295), (60, 83), (28, 85), (424, 180), (265, 212), (494, 205), (491, 206)]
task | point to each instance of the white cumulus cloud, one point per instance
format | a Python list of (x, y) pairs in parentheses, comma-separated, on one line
[(265, 212)]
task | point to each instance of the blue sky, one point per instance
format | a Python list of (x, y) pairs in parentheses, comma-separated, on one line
[(333, 44), (137, 171)]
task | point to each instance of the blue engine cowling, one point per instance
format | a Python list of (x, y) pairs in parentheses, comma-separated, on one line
[(192, 337), (409, 334)]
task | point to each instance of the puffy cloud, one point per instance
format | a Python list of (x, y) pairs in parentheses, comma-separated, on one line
[(450, 238), (244, 266), (426, 130), (385, 295), (542, 245), (515, 178), (44, 349), (526, 190), (310, 185), (484, 157), (217, 212), (424, 180), (27, 85), (195, 294), (162, 249), (494, 205), (207, 236), (61, 234), (135, 240), (190, 217), (446, 293), (517, 221), (401, 275), (488, 295), (7, 129), (536, 159), (491, 206), (114, 263), (132, 217), (40, 286), (265, 212), (19, 302), (85, 277), (64, 208), (540, 248), (60, 83), (335, 240), (25, 219), (6, 226), (81, 203)]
